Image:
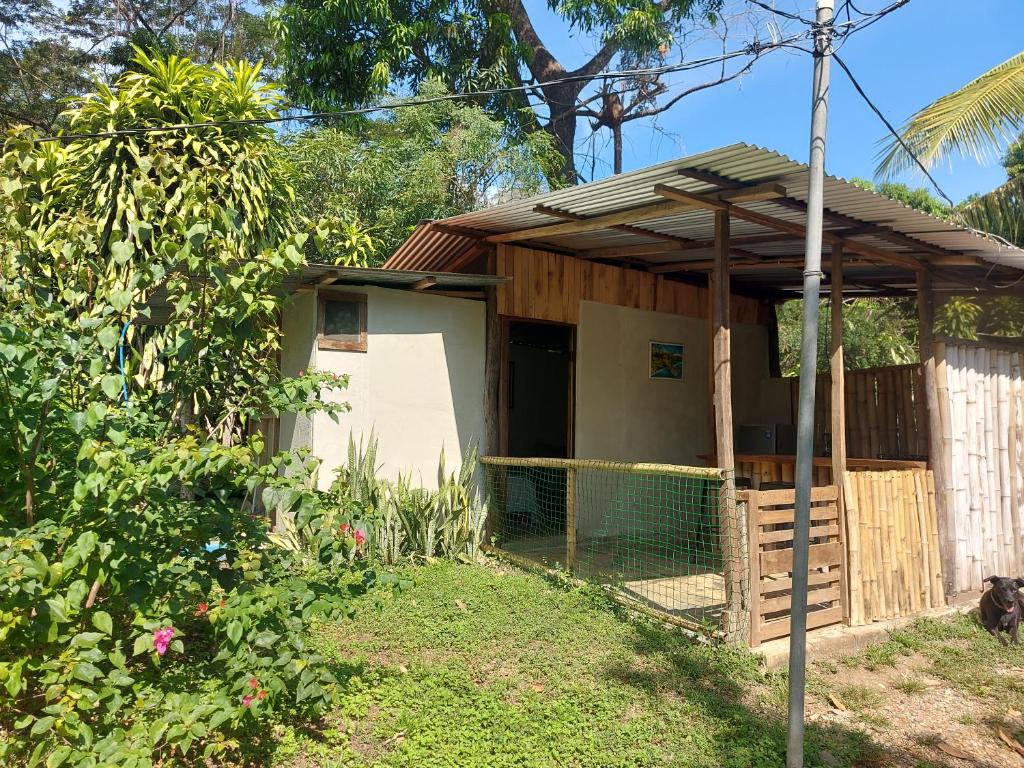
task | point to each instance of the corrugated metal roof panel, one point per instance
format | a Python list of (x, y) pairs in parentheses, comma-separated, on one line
[(740, 163)]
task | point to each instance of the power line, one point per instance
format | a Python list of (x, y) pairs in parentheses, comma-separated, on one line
[(754, 49), (891, 129)]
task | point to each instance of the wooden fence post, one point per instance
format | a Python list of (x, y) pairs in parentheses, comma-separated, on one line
[(570, 519)]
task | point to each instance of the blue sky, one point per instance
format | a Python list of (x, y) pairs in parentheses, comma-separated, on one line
[(904, 61)]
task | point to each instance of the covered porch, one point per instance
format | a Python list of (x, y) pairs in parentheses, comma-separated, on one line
[(694, 255)]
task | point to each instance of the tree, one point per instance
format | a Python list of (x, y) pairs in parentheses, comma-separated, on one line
[(1013, 160), (919, 197), (416, 163), (342, 54), (51, 51), (876, 333), (974, 120)]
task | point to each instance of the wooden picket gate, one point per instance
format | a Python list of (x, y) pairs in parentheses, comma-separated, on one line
[(770, 517)]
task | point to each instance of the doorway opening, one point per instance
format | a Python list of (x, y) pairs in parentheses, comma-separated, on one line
[(540, 363)]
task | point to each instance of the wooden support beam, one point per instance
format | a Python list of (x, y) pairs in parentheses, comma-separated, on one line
[(714, 202), (327, 279), (492, 365), (424, 284), (936, 449), (641, 231), (606, 221), (868, 228), (838, 408), (734, 551)]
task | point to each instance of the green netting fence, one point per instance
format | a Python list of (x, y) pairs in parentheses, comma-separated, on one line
[(667, 537)]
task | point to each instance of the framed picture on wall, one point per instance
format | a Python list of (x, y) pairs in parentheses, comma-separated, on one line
[(666, 361)]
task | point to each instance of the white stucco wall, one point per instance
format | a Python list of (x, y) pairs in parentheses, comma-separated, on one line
[(419, 386), (624, 415)]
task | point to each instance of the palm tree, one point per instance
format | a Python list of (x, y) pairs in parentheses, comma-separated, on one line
[(975, 120)]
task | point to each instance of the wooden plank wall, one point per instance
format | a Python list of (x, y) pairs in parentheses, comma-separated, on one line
[(550, 286), (885, 412), (770, 516), (781, 469), (892, 544), (981, 406)]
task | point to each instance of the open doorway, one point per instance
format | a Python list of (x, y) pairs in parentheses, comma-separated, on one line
[(539, 389)]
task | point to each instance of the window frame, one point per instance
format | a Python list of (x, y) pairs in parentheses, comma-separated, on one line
[(326, 342)]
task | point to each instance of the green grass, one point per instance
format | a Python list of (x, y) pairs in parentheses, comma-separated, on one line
[(961, 653), (480, 666)]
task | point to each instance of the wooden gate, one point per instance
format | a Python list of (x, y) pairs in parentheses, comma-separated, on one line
[(770, 516)]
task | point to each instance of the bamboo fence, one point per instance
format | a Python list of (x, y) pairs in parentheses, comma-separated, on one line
[(982, 415), (892, 542), (885, 416)]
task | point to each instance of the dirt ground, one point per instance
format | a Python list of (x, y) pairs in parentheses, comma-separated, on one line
[(942, 694)]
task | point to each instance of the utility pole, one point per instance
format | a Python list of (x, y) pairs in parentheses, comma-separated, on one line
[(808, 375)]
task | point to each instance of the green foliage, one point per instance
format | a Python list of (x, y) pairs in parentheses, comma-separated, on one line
[(142, 615), (876, 333), (917, 197), (345, 54), (413, 164), (401, 519), (974, 120), (53, 50), (1013, 160)]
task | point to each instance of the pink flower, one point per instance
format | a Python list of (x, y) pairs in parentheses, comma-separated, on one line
[(247, 700), (254, 683), (360, 537), (344, 529), (302, 372), (262, 694), (202, 608), (162, 639)]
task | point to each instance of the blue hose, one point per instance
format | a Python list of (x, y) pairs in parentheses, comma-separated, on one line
[(120, 355)]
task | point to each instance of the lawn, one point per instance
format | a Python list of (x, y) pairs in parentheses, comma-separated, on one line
[(937, 693), (486, 665)]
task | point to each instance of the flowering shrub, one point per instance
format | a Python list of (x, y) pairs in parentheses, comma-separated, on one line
[(139, 592)]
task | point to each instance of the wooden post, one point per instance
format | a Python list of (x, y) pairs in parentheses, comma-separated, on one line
[(570, 519), (492, 380), (733, 534), (754, 547), (936, 453), (838, 406), (492, 366)]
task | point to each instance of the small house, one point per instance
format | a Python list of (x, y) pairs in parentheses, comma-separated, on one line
[(612, 349)]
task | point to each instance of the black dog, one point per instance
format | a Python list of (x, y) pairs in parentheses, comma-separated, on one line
[(1002, 607)]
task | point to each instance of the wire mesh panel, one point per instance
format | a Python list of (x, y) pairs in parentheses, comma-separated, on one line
[(667, 537)]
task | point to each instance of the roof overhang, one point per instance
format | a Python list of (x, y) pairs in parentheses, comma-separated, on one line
[(661, 220)]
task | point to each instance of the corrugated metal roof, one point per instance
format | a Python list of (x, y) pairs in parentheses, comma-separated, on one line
[(322, 274), (956, 255)]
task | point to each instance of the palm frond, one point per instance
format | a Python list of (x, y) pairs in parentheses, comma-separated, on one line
[(974, 120), (1000, 212)]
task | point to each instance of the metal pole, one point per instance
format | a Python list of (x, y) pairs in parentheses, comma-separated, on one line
[(808, 375)]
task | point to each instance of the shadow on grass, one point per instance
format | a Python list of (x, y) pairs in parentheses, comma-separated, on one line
[(718, 681)]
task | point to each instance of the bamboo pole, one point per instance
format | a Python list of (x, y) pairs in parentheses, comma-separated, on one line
[(855, 578), (1013, 405), (926, 322), (946, 533)]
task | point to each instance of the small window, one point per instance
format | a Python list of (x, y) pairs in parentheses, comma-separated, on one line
[(341, 322)]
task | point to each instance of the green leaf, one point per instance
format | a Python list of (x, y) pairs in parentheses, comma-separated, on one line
[(234, 632), (143, 643), (111, 386), (42, 725), (102, 621), (108, 337), (58, 756), (121, 251), (86, 672)]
